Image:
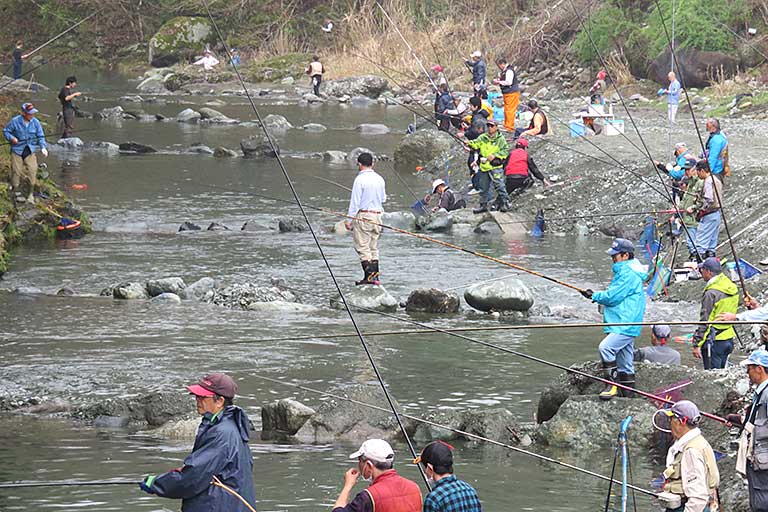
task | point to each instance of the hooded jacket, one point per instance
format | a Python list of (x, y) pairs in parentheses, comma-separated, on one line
[(487, 144), (721, 295), (624, 300), (221, 449)]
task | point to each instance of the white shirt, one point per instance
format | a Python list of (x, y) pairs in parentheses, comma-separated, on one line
[(208, 62), (368, 192), (754, 315), (509, 77), (693, 470)]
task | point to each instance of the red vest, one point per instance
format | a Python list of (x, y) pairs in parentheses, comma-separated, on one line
[(517, 165), (392, 493)]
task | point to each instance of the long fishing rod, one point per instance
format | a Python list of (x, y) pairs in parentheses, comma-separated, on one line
[(667, 192), (332, 183), (67, 483), (450, 429), (34, 68), (304, 214), (73, 27), (593, 215), (421, 65), (747, 297)]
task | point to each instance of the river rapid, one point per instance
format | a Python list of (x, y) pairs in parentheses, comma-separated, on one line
[(92, 347)]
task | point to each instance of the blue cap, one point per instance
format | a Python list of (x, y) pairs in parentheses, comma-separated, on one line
[(621, 245), (712, 264), (758, 358), (28, 108)]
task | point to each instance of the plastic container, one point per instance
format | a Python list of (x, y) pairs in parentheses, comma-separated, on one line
[(614, 127), (576, 127)]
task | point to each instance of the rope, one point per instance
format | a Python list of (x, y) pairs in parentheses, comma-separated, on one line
[(218, 483), (296, 197)]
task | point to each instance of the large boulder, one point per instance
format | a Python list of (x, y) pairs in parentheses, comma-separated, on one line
[(188, 115), (291, 225), (283, 418), (352, 155), (153, 85), (248, 295), (165, 285), (201, 290), (372, 129), (508, 294), (277, 122), (130, 291), (97, 146), (491, 423), (401, 220), (152, 409), (367, 85), (135, 147), (178, 39), (110, 113), (209, 115), (70, 144), (698, 67), (432, 300), (367, 296), (257, 146), (420, 147)]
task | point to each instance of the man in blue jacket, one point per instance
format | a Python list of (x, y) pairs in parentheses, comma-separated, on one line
[(477, 65), (717, 149), (25, 133), (221, 450), (623, 301)]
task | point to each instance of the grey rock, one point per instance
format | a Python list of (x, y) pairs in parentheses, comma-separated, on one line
[(335, 156), (277, 122), (152, 408), (244, 295), (153, 85), (199, 149), (188, 116), (368, 85), (314, 127), (432, 300), (492, 423), (70, 143), (27, 290), (288, 80), (291, 225), (189, 226), (418, 148), (131, 99), (179, 38), (311, 98), (222, 152), (401, 220), (201, 290), (362, 101), (177, 430), (283, 418), (209, 113), (256, 227), (130, 291), (135, 147), (502, 295), (173, 285), (438, 222), (352, 155), (216, 226), (111, 421), (108, 148), (367, 296), (66, 291), (372, 129), (257, 146), (110, 113), (167, 298)]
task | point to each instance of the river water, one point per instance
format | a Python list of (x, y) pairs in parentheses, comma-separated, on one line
[(76, 346)]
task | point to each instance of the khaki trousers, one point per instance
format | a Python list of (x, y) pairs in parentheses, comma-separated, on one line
[(23, 169), (366, 235)]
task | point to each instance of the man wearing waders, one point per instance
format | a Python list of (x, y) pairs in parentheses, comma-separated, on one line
[(315, 71), (623, 301)]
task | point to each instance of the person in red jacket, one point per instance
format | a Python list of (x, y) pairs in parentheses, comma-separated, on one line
[(520, 167), (388, 492)]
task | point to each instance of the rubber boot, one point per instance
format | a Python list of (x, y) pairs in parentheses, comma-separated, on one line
[(627, 379), (375, 272), (367, 273), (504, 208), (483, 208), (611, 373)]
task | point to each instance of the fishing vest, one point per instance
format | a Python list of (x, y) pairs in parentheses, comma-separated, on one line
[(508, 89), (728, 304), (691, 199), (753, 443), (517, 165), (544, 124), (315, 68), (674, 473), (454, 202), (392, 493)]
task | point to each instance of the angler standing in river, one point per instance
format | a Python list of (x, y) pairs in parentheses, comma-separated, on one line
[(315, 71), (365, 208), (221, 450), (623, 301), (18, 57), (66, 96)]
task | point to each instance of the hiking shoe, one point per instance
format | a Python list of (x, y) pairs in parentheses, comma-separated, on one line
[(764, 262), (473, 192), (482, 209)]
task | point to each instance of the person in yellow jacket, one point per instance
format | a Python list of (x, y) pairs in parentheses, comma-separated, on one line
[(493, 149), (714, 342), (691, 477)]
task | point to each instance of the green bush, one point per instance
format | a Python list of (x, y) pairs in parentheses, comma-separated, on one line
[(610, 28), (696, 26)]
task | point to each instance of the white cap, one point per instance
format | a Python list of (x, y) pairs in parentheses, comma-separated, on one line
[(476, 53), (436, 184), (376, 450)]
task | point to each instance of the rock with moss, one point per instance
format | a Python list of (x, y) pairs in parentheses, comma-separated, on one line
[(277, 68), (178, 39)]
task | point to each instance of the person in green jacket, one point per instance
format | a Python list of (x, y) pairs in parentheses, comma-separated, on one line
[(714, 342), (494, 150), (690, 205)]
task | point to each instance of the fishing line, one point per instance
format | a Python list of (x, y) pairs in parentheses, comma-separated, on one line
[(317, 243), (450, 429), (704, 152)]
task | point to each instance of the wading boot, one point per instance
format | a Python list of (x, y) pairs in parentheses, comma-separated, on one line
[(483, 208), (611, 373), (367, 273), (375, 272), (627, 379)]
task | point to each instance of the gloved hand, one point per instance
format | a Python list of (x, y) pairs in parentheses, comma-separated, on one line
[(587, 294), (44, 152), (735, 419), (146, 485)]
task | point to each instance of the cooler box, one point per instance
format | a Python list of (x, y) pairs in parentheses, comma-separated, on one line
[(614, 127), (576, 127)]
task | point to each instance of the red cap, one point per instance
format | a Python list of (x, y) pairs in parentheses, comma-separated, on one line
[(437, 68), (601, 75), (214, 384)]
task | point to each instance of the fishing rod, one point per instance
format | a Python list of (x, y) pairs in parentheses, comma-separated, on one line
[(747, 297), (73, 27), (67, 483), (451, 429), (304, 214), (34, 68), (332, 183), (667, 193), (421, 65), (594, 215), (755, 48)]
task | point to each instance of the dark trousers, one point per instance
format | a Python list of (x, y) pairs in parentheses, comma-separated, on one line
[(758, 489), (68, 115), (17, 70), (482, 93), (715, 353), (316, 79), (516, 184), (445, 123)]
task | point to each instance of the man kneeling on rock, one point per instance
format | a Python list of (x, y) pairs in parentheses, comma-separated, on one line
[(623, 301), (388, 492)]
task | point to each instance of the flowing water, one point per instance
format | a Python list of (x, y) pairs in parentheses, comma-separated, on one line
[(93, 346)]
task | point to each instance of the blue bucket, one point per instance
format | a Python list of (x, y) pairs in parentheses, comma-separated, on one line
[(577, 128)]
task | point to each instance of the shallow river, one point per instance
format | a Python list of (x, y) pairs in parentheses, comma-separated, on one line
[(90, 345)]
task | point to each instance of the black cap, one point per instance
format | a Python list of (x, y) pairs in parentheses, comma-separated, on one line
[(440, 455)]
